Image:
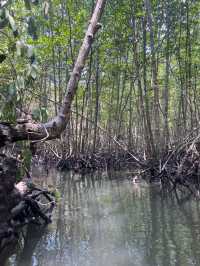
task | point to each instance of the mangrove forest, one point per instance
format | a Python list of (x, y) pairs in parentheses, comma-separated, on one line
[(99, 132)]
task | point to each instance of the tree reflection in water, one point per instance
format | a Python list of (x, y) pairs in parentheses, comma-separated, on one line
[(106, 220)]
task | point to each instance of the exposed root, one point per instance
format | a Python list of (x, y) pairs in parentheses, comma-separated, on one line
[(180, 168), (36, 207)]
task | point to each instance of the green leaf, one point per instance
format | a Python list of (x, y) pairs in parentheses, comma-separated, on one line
[(46, 8), (32, 71), (21, 47), (140, 14), (30, 51), (12, 25), (18, 48), (20, 84)]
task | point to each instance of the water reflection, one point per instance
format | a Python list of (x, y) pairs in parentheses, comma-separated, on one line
[(105, 221)]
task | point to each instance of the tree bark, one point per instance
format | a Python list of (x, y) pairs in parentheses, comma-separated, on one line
[(29, 130)]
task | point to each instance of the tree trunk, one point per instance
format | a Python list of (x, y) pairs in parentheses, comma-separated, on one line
[(155, 87)]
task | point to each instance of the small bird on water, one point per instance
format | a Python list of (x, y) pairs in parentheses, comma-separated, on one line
[(136, 179)]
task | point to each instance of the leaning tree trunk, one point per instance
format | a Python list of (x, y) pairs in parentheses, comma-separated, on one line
[(28, 130)]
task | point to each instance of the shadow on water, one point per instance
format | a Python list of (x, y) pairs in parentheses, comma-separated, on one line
[(106, 220)]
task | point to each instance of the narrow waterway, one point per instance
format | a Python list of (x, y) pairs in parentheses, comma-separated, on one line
[(104, 220)]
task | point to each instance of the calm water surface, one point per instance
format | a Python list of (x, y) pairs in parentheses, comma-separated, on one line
[(105, 222)]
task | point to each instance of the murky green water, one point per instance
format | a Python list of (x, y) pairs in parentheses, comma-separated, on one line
[(102, 222)]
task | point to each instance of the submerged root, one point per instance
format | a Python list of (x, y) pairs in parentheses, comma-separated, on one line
[(179, 169)]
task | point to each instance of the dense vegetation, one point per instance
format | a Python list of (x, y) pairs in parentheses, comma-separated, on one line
[(140, 86)]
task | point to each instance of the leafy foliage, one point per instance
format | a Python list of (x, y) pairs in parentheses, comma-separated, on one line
[(138, 46)]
